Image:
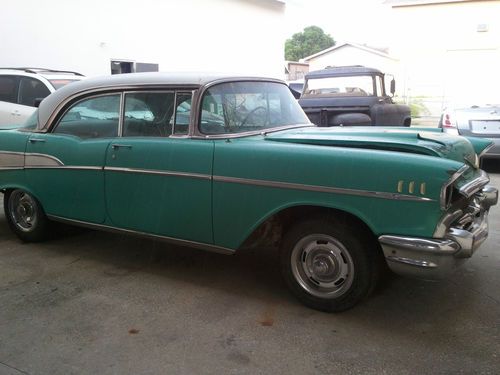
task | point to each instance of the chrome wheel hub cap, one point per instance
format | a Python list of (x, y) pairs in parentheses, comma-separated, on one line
[(322, 266), (22, 209)]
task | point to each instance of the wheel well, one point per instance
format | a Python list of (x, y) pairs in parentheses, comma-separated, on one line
[(271, 231)]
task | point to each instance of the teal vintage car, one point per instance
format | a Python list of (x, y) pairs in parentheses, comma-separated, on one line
[(225, 163)]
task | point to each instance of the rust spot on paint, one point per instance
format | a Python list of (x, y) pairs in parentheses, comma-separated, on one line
[(133, 331), (267, 322), (267, 318)]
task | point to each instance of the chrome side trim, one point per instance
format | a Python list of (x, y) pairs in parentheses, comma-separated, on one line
[(11, 168), (177, 241), (159, 172), (71, 167), (42, 160), (321, 189), (9, 160), (486, 149), (475, 185)]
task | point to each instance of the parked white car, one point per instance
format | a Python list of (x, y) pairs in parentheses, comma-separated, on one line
[(22, 89)]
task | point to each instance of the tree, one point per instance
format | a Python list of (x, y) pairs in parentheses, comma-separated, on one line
[(313, 39)]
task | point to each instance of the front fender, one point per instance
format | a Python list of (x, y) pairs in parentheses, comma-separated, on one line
[(263, 178)]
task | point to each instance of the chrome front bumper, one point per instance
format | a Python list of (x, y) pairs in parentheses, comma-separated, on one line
[(435, 258)]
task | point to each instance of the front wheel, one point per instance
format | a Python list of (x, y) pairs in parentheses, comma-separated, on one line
[(327, 265), (25, 216)]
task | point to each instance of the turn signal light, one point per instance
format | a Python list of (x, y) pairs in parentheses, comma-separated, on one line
[(447, 122)]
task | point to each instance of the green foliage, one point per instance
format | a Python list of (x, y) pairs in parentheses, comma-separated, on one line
[(308, 42)]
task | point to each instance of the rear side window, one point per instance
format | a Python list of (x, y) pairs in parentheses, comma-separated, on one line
[(8, 89), (96, 117), (148, 114), (31, 89)]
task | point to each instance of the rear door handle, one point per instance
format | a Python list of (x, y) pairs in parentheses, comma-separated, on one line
[(34, 140), (116, 146)]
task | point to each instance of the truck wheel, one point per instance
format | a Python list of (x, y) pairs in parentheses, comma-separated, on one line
[(25, 216), (327, 265)]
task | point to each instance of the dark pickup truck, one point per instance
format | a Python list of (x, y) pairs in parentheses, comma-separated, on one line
[(351, 95)]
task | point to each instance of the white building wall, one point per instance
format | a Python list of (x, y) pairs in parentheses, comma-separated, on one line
[(237, 36), (349, 55), (450, 53)]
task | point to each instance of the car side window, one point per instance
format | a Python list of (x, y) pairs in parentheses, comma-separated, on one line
[(31, 89), (148, 114), (96, 117), (379, 84), (8, 89), (182, 113)]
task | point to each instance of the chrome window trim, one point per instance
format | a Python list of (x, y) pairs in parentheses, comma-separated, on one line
[(177, 241), (46, 128), (54, 126), (321, 189), (191, 124), (122, 114), (252, 133), (196, 120)]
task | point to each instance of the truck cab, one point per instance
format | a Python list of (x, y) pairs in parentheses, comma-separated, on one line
[(351, 95)]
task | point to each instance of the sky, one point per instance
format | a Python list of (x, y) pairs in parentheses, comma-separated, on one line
[(358, 21)]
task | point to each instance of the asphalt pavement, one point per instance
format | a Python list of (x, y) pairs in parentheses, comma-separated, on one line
[(89, 302)]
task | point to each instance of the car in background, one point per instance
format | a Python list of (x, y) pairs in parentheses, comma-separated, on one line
[(296, 87), (474, 121), (352, 95), (22, 89)]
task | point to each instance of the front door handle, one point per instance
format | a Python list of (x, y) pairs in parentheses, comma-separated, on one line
[(34, 140), (116, 146)]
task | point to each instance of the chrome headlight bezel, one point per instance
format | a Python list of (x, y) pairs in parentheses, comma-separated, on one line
[(447, 188)]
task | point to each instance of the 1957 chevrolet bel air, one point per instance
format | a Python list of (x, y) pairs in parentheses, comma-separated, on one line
[(225, 163)]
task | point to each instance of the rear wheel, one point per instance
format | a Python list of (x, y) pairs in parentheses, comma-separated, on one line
[(327, 265), (25, 216)]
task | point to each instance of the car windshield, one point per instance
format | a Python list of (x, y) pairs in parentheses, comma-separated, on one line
[(58, 83), (239, 107), (339, 86)]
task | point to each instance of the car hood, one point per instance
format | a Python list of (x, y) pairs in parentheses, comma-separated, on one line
[(10, 126), (418, 141)]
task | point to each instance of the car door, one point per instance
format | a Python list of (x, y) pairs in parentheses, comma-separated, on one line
[(9, 86), (65, 166), (157, 179)]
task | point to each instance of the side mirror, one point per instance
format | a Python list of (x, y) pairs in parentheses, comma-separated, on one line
[(37, 101), (295, 94), (393, 86)]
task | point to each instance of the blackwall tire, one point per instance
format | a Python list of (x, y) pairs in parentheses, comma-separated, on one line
[(329, 265), (25, 216)]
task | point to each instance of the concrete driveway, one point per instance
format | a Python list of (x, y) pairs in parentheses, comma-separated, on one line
[(97, 303)]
